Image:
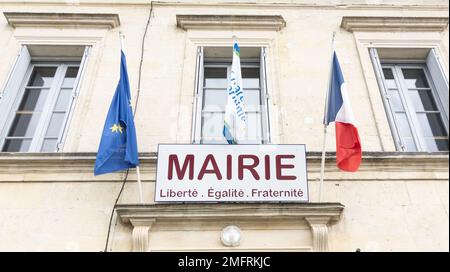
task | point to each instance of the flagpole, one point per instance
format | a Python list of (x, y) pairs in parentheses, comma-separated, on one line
[(138, 170), (325, 124), (122, 37)]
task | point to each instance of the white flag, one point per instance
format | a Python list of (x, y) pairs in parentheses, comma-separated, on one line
[(235, 121)]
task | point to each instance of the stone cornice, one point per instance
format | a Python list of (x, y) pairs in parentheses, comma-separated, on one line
[(45, 19), (247, 22), (368, 23), (142, 217), (78, 167), (323, 5), (80, 158), (136, 214)]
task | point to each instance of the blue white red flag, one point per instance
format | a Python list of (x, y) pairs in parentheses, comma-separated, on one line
[(348, 144)]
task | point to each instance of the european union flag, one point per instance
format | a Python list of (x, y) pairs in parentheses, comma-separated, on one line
[(118, 145)]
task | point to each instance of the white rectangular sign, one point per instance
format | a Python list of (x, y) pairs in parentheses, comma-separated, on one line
[(231, 173)]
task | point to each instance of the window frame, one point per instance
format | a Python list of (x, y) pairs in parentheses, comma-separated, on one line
[(396, 67), (202, 63), (375, 36), (16, 96)]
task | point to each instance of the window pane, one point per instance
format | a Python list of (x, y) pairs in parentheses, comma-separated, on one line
[(415, 78), (250, 77), (55, 125), (24, 125), (33, 99), (42, 76), (409, 144), (49, 145), (69, 79), (64, 97), (250, 72), (250, 83), (214, 140), (219, 97), (389, 78), (212, 125), (431, 124), (215, 82), (216, 77), (436, 144), (251, 97), (422, 100), (403, 124), (395, 100), (16, 145), (215, 97), (254, 126), (214, 108)]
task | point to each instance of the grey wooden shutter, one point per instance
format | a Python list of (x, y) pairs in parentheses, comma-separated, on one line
[(197, 101), (439, 79), (385, 97), (12, 85), (265, 97)]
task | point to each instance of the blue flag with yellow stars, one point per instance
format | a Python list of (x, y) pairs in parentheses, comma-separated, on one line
[(118, 145)]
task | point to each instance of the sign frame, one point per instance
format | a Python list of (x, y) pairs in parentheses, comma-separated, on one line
[(307, 195)]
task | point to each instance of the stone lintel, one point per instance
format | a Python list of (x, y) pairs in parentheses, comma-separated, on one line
[(389, 24), (244, 22), (47, 19)]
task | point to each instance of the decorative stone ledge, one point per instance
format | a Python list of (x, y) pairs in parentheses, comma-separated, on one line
[(78, 167), (37, 19), (132, 212), (143, 217), (367, 23), (246, 22)]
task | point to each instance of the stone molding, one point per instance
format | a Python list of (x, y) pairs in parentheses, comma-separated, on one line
[(143, 217), (246, 22), (284, 4), (130, 212), (46, 19), (78, 167), (388, 24)]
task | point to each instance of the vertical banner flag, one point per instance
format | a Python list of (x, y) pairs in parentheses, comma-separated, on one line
[(235, 120), (348, 144), (118, 146)]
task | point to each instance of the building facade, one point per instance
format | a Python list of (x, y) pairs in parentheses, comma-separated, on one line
[(60, 66)]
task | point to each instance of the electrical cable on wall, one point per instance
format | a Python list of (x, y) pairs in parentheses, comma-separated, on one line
[(134, 115)]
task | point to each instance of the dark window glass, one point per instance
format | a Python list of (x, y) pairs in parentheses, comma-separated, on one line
[(42, 76), (415, 78)]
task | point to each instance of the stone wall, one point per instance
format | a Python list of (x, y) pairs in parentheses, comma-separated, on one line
[(52, 202)]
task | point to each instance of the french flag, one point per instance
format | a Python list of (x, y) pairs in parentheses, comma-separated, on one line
[(348, 144)]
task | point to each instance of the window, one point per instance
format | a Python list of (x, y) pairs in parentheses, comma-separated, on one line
[(38, 104), (213, 72), (416, 104)]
